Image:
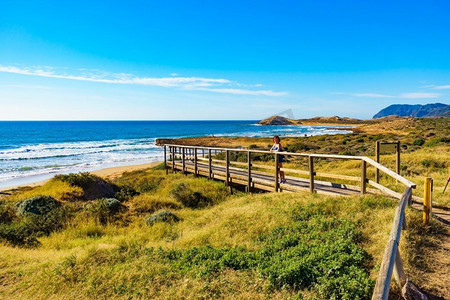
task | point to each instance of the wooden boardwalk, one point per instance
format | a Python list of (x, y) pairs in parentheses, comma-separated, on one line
[(265, 181), (203, 161)]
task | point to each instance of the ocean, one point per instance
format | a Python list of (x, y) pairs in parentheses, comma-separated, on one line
[(36, 150)]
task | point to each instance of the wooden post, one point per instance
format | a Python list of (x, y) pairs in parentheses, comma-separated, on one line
[(363, 176), (377, 156), (427, 200), (195, 162), (249, 172), (165, 160), (398, 158), (277, 169), (209, 164), (311, 173), (173, 159), (227, 157), (183, 158)]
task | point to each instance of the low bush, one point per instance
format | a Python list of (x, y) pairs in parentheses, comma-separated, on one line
[(189, 198), (125, 193), (93, 186), (7, 213), (38, 205), (192, 196), (436, 141), (162, 216), (419, 142), (18, 235), (431, 163), (27, 230), (301, 147), (104, 210)]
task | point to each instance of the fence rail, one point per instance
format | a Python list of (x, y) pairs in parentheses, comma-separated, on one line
[(392, 262), (199, 161)]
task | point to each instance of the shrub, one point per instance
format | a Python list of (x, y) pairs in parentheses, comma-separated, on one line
[(26, 231), (83, 180), (436, 141), (189, 198), (431, 163), (419, 142), (252, 146), (126, 192), (301, 146), (104, 210), (93, 186), (18, 235), (162, 216), (38, 205), (6, 213)]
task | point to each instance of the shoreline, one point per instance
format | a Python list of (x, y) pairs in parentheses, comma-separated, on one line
[(107, 173)]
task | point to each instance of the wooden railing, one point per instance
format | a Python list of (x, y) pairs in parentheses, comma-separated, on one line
[(392, 262), (184, 152)]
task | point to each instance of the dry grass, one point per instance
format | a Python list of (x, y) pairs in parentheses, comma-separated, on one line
[(103, 270)]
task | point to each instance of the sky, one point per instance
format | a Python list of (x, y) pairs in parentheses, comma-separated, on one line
[(219, 60)]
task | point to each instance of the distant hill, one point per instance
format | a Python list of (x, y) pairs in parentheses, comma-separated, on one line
[(417, 111), (278, 120)]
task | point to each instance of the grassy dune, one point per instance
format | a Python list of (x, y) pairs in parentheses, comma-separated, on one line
[(234, 246), (148, 235)]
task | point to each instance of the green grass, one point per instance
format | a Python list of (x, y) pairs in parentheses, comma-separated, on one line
[(246, 246)]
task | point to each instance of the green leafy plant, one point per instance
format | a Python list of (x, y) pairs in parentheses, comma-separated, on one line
[(38, 205)]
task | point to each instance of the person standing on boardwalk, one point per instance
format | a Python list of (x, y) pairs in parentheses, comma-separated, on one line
[(277, 148)]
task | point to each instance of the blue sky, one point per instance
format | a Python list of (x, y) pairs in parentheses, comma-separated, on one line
[(156, 60)]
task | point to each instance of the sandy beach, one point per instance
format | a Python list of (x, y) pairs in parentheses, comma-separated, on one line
[(108, 173)]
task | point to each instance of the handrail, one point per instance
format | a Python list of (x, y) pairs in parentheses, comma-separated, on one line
[(314, 155), (390, 172), (392, 263), (269, 152)]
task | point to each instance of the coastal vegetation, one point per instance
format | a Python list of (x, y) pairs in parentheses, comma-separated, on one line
[(145, 234)]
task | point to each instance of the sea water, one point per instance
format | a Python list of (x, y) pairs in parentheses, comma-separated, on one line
[(36, 150)]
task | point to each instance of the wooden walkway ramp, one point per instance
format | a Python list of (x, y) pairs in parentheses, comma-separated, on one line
[(265, 181), (203, 161)]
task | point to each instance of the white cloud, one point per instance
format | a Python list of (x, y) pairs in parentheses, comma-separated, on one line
[(245, 92), (193, 83), (442, 87)]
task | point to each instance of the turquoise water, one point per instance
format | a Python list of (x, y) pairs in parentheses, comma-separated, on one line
[(36, 150)]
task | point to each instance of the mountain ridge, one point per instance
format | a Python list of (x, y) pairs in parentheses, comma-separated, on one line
[(415, 110)]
